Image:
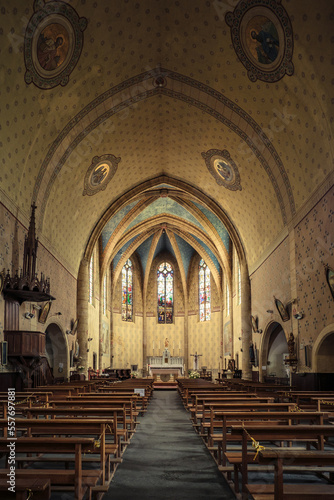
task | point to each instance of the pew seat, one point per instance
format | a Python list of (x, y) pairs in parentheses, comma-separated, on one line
[(38, 487)]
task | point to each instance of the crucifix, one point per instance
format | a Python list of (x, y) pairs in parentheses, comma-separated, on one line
[(196, 356)]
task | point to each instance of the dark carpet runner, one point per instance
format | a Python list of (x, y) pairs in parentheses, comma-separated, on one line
[(166, 459)]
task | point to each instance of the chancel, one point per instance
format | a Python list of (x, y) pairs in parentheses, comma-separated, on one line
[(166, 247), (166, 368)]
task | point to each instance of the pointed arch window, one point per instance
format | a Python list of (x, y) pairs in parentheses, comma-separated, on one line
[(165, 280), (127, 291), (204, 289)]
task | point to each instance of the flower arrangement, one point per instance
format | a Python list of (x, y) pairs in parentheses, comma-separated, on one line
[(80, 368), (134, 375), (193, 374)]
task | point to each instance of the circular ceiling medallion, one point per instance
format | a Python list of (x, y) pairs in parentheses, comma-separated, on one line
[(100, 173), (53, 43), (223, 168), (261, 34)]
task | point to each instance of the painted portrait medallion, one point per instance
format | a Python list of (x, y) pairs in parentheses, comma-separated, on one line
[(52, 44), (100, 173), (223, 168), (52, 47), (261, 34)]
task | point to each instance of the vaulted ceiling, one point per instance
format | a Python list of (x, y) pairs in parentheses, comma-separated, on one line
[(156, 86)]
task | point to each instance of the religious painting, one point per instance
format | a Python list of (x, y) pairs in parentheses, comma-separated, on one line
[(222, 168), (44, 312), (100, 173), (254, 324), (262, 38), (227, 339), (52, 44), (75, 327), (330, 279), (283, 312)]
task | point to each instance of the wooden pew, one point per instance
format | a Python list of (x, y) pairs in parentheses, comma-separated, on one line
[(81, 479), (129, 422), (99, 429), (36, 487), (226, 419), (117, 414), (322, 460), (246, 405), (201, 410), (293, 433)]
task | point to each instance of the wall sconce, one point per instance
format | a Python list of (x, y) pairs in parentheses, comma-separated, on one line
[(55, 314), (29, 315), (90, 339)]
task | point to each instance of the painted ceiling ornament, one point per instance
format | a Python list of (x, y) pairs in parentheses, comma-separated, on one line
[(223, 168), (100, 173), (52, 44), (262, 37)]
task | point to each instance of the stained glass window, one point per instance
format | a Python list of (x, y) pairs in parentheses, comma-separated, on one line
[(91, 279), (165, 293), (127, 291), (204, 289)]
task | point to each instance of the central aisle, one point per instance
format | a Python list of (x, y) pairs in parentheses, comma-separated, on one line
[(166, 459)]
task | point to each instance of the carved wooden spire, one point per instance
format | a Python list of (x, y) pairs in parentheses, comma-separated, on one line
[(30, 248)]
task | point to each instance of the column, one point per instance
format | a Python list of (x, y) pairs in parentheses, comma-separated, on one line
[(246, 325), (82, 308)]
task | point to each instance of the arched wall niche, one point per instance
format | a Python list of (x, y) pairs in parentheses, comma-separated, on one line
[(323, 351), (274, 344), (57, 351)]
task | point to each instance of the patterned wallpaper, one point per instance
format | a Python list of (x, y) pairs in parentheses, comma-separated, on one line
[(271, 278), (315, 246)]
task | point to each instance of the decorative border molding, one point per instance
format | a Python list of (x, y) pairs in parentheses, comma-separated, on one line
[(70, 25), (240, 20)]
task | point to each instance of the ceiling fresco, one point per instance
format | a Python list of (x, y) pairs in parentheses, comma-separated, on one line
[(125, 107)]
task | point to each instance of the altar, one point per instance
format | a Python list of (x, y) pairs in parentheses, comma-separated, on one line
[(165, 368)]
